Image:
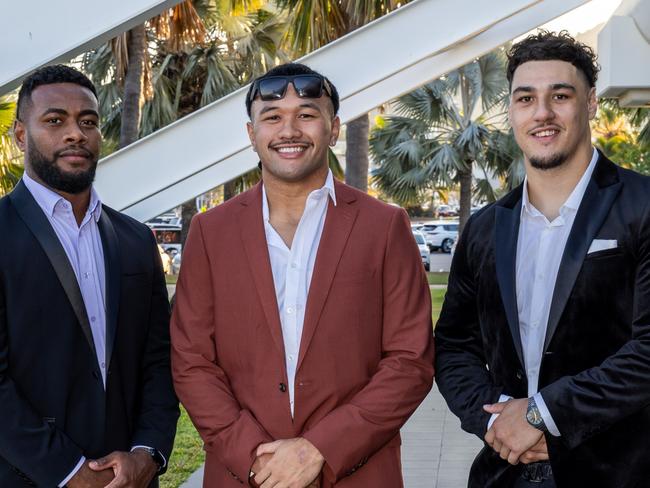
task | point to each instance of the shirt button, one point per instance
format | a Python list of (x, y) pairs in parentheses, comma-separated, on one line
[(294, 265), (291, 357), (534, 324), (103, 365), (86, 275), (290, 309), (93, 318)]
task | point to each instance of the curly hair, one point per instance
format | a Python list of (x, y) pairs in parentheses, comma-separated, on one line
[(58, 73), (292, 69), (549, 46)]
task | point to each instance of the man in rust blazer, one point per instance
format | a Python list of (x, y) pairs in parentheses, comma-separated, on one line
[(301, 334)]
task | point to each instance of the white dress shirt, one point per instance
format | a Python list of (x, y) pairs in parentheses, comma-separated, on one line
[(540, 246), (292, 270)]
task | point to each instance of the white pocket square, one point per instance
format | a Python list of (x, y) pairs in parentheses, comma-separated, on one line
[(602, 244)]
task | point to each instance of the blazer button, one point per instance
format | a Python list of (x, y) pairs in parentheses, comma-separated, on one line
[(519, 374), (283, 387)]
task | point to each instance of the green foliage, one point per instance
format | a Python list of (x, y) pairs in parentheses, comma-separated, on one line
[(188, 454), (623, 135), (444, 128), (11, 168)]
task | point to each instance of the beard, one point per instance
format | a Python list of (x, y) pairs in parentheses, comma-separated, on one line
[(547, 163), (54, 177)]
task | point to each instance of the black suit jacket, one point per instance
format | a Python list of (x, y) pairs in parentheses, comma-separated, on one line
[(595, 371), (53, 406)]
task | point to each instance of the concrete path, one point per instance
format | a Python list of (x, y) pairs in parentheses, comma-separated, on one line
[(436, 453)]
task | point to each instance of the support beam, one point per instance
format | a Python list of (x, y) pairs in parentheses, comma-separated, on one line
[(369, 67), (624, 51), (36, 32)]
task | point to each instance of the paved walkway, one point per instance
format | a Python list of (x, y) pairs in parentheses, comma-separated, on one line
[(436, 453)]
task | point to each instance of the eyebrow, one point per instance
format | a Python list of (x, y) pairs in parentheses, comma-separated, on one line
[(554, 86), (53, 110)]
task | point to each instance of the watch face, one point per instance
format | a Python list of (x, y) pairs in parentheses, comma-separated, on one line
[(533, 416)]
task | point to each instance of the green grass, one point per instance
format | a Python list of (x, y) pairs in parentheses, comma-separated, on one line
[(437, 297), (438, 277), (188, 454)]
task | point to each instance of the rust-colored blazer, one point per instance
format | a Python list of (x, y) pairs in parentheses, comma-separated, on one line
[(366, 355)]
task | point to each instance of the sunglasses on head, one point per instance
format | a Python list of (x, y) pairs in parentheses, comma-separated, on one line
[(275, 87)]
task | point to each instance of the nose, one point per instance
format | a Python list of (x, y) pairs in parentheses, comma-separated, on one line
[(544, 110), (290, 129), (73, 134)]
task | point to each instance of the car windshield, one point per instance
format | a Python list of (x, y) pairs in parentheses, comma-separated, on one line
[(419, 239), (452, 228)]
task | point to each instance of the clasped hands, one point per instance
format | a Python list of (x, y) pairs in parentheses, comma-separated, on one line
[(287, 463), (119, 469), (512, 437)]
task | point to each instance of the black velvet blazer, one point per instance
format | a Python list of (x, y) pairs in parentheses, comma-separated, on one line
[(595, 372), (53, 406)]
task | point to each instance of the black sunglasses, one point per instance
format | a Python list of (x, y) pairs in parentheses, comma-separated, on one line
[(275, 87)]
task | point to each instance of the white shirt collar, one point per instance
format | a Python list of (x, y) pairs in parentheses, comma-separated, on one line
[(48, 199), (573, 202), (327, 188)]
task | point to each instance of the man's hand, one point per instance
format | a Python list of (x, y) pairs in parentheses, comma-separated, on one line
[(539, 452), (87, 478), (133, 469), (295, 463), (511, 435)]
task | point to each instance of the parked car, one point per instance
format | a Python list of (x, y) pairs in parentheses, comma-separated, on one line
[(440, 234), (165, 258), (168, 236), (446, 211), (424, 249), (176, 263)]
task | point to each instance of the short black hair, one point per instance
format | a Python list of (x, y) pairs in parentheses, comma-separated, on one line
[(550, 46), (58, 73), (292, 69)]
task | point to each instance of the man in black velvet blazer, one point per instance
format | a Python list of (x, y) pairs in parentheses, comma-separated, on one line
[(86, 396), (543, 344)]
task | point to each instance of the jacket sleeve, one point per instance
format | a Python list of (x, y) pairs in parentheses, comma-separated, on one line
[(404, 375), (37, 450), (156, 423), (593, 400), (228, 431), (461, 372)]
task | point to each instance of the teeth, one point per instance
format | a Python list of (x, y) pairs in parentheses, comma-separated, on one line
[(545, 133), (292, 149)]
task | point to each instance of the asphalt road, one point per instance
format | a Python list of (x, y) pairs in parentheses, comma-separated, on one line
[(440, 261)]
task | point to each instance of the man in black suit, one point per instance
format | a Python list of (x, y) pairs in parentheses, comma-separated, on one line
[(543, 344), (86, 396)]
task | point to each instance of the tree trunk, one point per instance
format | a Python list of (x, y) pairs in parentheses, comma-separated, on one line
[(229, 189), (465, 177), (356, 153), (188, 210), (133, 85)]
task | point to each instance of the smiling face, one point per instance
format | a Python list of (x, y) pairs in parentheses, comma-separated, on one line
[(291, 136), (550, 108), (59, 134)]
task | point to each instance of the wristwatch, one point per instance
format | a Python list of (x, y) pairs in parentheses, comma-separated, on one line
[(534, 417), (155, 455)]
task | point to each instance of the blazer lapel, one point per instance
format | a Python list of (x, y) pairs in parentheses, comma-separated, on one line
[(37, 222), (253, 239), (112, 273), (338, 224), (596, 203), (507, 218)]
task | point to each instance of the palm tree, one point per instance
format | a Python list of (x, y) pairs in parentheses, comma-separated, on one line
[(314, 23), (442, 130), (11, 168)]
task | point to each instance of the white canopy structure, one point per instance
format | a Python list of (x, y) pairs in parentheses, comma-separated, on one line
[(384, 59)]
